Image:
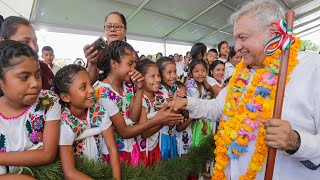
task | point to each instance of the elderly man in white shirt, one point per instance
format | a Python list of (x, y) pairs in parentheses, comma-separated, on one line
[(297, 134)]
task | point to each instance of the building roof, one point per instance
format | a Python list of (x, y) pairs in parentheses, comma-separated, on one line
[(167, 21)]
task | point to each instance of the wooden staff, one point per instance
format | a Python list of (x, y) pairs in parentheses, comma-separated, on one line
[(279, 96)]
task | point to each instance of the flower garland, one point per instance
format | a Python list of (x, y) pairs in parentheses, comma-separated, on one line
[(245, 104)]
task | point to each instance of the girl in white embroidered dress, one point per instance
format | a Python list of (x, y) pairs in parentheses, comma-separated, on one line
[(149, 140), (82, 115), (29, 117)]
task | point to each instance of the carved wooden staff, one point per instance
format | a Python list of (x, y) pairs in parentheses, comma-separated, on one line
[(279, 96)]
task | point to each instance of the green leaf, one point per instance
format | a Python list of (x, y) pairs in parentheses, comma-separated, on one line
[(29, 128), (176, 168), (2, 140)]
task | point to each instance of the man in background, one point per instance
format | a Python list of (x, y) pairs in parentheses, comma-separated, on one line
[(48, 57)]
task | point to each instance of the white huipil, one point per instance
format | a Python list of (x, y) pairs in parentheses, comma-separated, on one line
[(301, 107), (25, 131)]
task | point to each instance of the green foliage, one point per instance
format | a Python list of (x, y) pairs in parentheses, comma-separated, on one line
[(309, 45), (176, 168), (48, 172)]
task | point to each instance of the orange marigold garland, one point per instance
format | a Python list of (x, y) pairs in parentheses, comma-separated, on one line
[(245, 104)]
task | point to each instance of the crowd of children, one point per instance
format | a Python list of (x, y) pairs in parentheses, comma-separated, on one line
[(124, 117)]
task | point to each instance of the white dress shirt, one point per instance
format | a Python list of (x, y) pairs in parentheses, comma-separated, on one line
[(301, 107), (180, 68), (54, 68), (229, 68)]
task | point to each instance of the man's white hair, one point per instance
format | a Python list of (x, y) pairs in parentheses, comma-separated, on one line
[(264, 11)]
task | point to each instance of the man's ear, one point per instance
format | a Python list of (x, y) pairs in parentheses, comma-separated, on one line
[(64, 97), (273, 28)]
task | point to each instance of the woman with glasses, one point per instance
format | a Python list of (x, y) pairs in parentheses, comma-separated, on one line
[(115, 28)]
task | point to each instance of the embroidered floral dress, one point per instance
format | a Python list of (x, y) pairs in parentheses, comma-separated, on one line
[(149, 148), (72, 127), (194, 91), (113, 102), (21, 132), (168, 141)]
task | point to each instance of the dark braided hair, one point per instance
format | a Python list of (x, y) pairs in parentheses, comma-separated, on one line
[(10, 51), (1, 20), (220, 45), (232, 53), (196, 62), (114, 51), (163, 62), (64, 78), (144, 65), (198, 48), (10, 26)]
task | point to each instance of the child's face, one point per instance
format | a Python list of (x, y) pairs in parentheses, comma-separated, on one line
[(26, 34), (211, 57), (235, 59), (81, 92), (158, 56), (176, 58), (199, 73), (47, 56), (169, 75), (127, 64), (218, 72), (224, 50), (152, 79), (22, 83)]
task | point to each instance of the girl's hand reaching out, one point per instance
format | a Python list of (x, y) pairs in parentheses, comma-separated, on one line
[(167, 116), (180, 93), (206, 85), (137, 79)]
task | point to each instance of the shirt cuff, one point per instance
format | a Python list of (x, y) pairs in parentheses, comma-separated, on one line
[(307, 148), (191, 104)]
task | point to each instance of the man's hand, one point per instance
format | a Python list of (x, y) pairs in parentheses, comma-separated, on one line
[(167, 116), (179, 104), (280, 135)]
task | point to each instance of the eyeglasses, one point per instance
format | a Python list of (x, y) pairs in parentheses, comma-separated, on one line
[(116, 27)]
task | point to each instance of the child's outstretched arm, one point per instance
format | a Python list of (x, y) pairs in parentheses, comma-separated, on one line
[(184, 125), (108, 136), (132, 131), (68, 163), (204, 128), (16, 176), (215, 89), (136, 101), (144, 119), (37, 157)]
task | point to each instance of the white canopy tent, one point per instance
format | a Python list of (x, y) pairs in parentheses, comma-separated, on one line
[(164, 21)]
